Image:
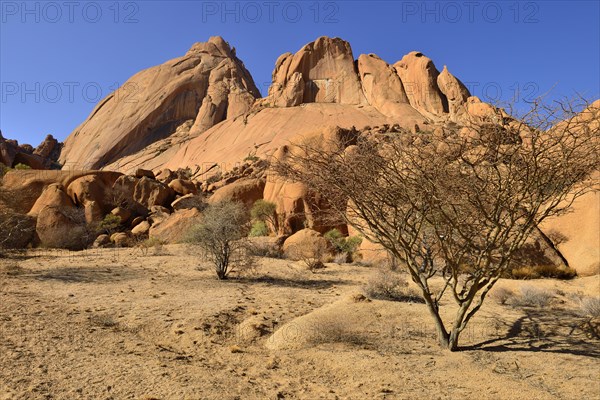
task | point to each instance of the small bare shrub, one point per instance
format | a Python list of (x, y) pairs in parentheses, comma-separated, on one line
[(334, 329), (342, 258), (502, 295), (531, 296), (222, 235), (104, 320), (262, 249), (389, 285), (309, 254), (157, 246), (589, 307)]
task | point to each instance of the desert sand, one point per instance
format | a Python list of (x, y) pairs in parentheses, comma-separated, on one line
[(120, 324)]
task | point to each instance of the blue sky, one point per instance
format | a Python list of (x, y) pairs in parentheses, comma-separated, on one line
[(58, 58)]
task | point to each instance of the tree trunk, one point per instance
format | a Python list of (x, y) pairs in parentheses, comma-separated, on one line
[(442, 334), (456, 327)]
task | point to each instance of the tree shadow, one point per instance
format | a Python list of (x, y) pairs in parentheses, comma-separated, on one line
[(83, 275), (552, 331), (293, 282)]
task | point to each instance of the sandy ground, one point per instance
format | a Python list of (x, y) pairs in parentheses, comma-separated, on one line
[(122, 325)]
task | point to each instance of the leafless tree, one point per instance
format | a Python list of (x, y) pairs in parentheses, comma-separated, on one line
[(457, 204), (16, 230), (222, 235)]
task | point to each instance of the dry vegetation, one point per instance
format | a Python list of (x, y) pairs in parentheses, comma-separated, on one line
[(461, 204), (116, 324)]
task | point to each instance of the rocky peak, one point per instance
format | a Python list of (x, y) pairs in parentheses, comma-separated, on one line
[(42, 157), (207, 85), (322, 71), (419, 77), (216, 46)]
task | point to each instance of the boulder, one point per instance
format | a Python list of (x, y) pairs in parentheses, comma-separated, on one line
[(183, 187), (456, 93), (26, 186), (49, 148), (149, 192), (26, 148), (296, 206), (123, 213), (120, 239), (140, 173), (53, 196), (136, 221), (141, 229), (478, 110), (102, 241), (141, 194), (33, 161), (159, 209), (166, 176), (175, 227), (187, 202), (96, 187), (124, 187), (11, 153), (306, 243), (62, 228), (93, 212), (7, 153), (576, 234), (158, 214), (245, 191)]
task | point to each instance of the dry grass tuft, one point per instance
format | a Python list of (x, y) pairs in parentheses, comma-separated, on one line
[(531, 296), (501, 295), (104, 320), (589, 307), (543, 271), (334, 329), (390, 285)]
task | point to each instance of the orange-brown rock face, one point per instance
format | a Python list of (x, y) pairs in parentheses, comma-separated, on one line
[(205, 86), (419, 77), (202, 109), (42, 157), (384, 90), (320, 72), (456, 93)]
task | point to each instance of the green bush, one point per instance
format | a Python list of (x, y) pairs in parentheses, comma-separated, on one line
[(251, 158), (110, 223), (22, 166), (263, 210), (259, 228), (342, 244), (3, 170)]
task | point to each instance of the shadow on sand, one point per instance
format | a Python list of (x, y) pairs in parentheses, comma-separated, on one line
[(294, 282), (552, 331), (83, 275)]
